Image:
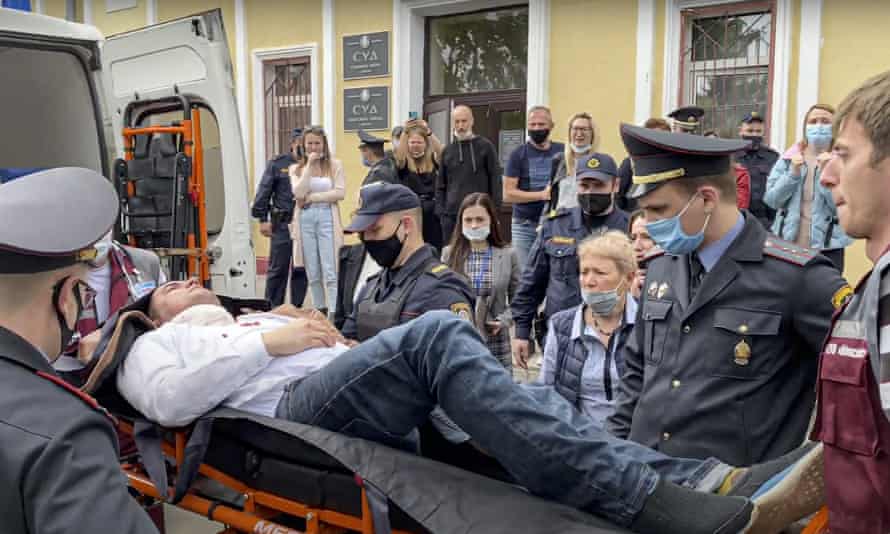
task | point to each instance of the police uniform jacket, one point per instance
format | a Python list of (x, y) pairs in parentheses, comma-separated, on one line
[(759, 164), (552, 268), (730, 374), (274, 193), (60, 469), (428, 284), (381, 171)]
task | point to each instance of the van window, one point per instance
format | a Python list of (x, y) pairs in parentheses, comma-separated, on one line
[(48, 112), (213, 168)]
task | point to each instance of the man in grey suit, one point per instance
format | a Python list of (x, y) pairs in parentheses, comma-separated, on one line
[(723, 358)]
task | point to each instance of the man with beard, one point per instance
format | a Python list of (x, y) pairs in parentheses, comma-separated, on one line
[(469, 165), (552, 268)]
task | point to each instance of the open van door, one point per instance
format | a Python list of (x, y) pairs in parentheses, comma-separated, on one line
[(159, 76)]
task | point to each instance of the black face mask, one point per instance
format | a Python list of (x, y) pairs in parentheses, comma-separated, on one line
[(66, 333), (594, 203), (539, 136), (756, 141), (385, 251)]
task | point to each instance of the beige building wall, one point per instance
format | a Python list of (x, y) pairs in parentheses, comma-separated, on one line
[(54, 8), (117, 21), (349, 19), (593, 71)]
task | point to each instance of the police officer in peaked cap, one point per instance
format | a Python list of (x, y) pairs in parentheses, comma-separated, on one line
[(381, 166), (722, 360), (687, 119), (274, 207), (60, 465)]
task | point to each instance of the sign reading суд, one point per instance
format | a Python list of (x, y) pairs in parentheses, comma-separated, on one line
[(366, 108), (365, 55)]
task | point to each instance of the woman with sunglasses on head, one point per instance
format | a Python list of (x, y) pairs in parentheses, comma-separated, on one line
[(418, 155), (318, 190), (478, 251)]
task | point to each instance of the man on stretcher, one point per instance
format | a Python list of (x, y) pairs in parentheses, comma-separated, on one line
[(294, 366)]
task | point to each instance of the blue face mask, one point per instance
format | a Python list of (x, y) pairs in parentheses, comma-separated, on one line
[(819, 134), (669, 235), (365, 162)]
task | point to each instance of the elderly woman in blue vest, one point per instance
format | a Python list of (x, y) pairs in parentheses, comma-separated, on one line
[(805, 211), (582, 354)]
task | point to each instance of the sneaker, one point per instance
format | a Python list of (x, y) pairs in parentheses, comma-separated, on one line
[(745, 481), (673, 509), (792, 494)]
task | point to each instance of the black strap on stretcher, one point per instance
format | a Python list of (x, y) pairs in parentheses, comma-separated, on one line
[(148, 438)]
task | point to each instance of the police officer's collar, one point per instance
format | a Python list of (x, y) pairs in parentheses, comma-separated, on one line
[(420, 257), (17, 349), (748, 244)]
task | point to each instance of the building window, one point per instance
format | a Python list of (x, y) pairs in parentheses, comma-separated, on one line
[(287, 102), (477, 52), (726, 62)]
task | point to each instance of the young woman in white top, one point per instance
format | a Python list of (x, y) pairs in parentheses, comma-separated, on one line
[(318, 189)]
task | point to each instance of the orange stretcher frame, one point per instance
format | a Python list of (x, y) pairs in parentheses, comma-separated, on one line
[(259, 506), (190, 131)]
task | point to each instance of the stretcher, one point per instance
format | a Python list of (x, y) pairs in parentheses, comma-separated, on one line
[(256, 474)]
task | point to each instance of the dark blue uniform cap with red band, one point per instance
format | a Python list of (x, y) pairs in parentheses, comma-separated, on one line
[(53, 218), (659, 157)]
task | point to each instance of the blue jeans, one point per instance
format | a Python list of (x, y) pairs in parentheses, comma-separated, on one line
[(319, 256), (387, 386), (524, 233)]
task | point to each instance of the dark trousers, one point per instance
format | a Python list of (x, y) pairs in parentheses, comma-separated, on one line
[(449, 222), (280, 269)]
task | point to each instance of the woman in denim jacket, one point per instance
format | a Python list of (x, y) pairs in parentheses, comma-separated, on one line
[(806, 214)]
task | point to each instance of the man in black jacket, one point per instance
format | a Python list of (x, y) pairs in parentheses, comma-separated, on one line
[(381, 167), (469, 165)]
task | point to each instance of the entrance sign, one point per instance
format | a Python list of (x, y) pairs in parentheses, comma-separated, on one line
[(366, 108), (365, 55)]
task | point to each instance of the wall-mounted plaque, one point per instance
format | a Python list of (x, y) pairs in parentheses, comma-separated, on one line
[(365, 55), (366, 108)]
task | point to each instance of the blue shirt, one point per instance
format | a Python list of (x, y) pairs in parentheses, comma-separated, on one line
[(532, 166), (709, 255), (592, 397)]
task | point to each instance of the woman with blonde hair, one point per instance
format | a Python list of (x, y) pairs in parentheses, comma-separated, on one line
[(318, 188), (417, 159), (583, 352), (583, 140)]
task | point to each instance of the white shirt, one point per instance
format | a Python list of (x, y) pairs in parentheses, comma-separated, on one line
[(369, 269), (179, 372)]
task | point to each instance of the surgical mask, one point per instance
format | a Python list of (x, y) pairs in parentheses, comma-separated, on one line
[(756, 141), (819, 134), (385, 251), (579, 149), (365, 162), (668, 233), (395, 144), (66, 334), (594, 203), (477, 234), (602, 303), (539, 136)]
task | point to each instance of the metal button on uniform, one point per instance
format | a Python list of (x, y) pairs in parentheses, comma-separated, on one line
[(666, 436), (687, 329), (675, 383)]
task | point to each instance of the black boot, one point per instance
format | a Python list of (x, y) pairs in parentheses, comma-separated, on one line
[(673, 509)]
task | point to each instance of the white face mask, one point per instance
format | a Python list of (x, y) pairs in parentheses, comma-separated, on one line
[(579, 149), (477, 234)]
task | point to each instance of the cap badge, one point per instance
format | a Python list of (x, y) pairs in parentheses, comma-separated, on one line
[(593, 163), (653, 289), (663, 289), (755, 115)]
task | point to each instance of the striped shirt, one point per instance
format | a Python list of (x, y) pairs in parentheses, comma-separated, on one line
[(883, 363)]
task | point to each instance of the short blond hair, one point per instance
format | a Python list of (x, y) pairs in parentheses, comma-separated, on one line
[(614, 245), (870, 105)]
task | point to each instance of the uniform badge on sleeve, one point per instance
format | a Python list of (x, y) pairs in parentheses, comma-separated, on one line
[(462, 310), (653, 289), (841, 296), (663, 289)]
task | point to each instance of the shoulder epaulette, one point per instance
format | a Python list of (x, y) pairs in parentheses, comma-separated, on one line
[(85, 397), (787, 251), (438, 269)]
